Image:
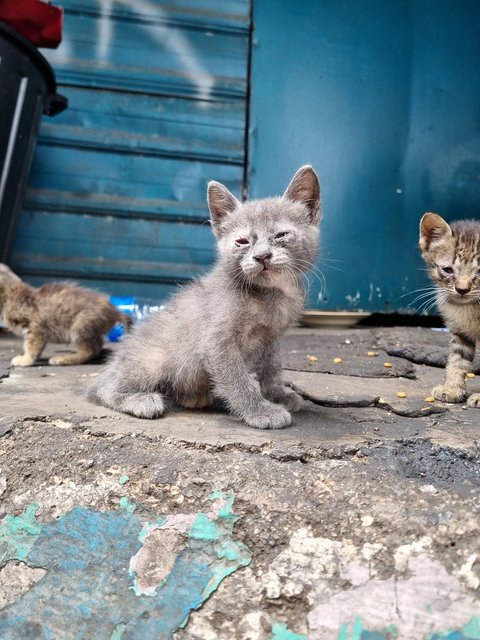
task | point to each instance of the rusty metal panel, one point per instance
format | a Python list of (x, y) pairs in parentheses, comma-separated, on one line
[(157, 98)]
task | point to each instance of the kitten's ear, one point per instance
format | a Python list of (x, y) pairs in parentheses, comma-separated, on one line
[(433, 228), (7, 274), (305, 188), (221, 203)]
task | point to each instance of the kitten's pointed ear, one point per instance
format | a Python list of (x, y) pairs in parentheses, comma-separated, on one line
[(221, 203), (433, 229), (7, 274), (305, 188)]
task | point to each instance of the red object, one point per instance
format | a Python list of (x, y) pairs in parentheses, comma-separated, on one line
[(37, 21)]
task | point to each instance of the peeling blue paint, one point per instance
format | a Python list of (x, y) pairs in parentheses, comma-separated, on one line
[(123, 479), (118, 631), (281, 632), (224, 555), (470, 631), (18, 535), (87, 586), (126, 505)]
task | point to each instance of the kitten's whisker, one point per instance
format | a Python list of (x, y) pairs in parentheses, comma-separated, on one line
[(430, 289), (321, 279), (431, 300), (324, 259), (428, 295)]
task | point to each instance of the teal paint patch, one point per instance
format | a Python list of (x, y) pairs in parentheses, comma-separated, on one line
[(209, 539), (126, 505), (203, 528), (118, 631), (470, 631), (472, 628), (18, 535), (230, 554), (357, 631), (281, 632), (150, 527), (123, 479)]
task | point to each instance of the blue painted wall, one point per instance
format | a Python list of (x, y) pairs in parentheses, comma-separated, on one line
[(383, 98), (117, 194)]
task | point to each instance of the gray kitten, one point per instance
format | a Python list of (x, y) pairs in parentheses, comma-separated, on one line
[(226, 325)]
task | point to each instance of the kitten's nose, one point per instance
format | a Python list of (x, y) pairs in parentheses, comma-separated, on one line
[(262, 256), (463, 290)]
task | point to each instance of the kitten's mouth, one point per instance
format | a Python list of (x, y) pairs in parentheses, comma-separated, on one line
[(266, 273), (462, 300)]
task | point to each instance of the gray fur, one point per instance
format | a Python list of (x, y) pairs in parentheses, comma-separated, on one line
[(227, 324)]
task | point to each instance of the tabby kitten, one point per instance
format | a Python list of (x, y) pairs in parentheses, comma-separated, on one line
[(452, 254), (59, 313), (227, 324)]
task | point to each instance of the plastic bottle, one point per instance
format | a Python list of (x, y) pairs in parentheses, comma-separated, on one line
[(138, 310)]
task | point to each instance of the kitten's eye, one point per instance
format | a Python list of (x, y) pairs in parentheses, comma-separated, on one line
[(241, 241), (281, 235), (447, 270)]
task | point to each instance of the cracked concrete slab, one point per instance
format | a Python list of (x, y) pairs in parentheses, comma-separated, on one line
[(353, 353), (341, 391), (351, 506), (419, 345)]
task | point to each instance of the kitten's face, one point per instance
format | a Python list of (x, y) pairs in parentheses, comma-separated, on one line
[(452, 254), (268, 242)]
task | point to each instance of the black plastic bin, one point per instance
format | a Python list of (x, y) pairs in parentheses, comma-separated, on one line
[(27, 89)]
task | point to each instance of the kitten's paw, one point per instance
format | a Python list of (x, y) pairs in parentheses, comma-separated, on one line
[(22, 361), (71, 358), (286, 396), (142, 405), (58, 361), (449, 394), (269, 416), (292, 400), (474, 400)]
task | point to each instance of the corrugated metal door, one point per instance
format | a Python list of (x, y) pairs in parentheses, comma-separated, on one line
[(157, 96)]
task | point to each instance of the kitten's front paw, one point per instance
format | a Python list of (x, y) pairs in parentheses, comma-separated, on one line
[(449, 394), (269, 416), (142, 405), (22, 361), (474, 400)]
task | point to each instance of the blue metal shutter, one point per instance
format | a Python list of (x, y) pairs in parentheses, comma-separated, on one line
[(157, 95)]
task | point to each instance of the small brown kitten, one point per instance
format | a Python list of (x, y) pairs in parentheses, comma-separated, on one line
[(61, 313), (452, 253)]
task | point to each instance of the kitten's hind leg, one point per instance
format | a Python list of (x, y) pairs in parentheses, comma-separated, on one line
[(85, 351), (141, 404), (33, 346)]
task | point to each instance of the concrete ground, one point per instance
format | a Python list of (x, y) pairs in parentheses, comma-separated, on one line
[(359, 522)]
